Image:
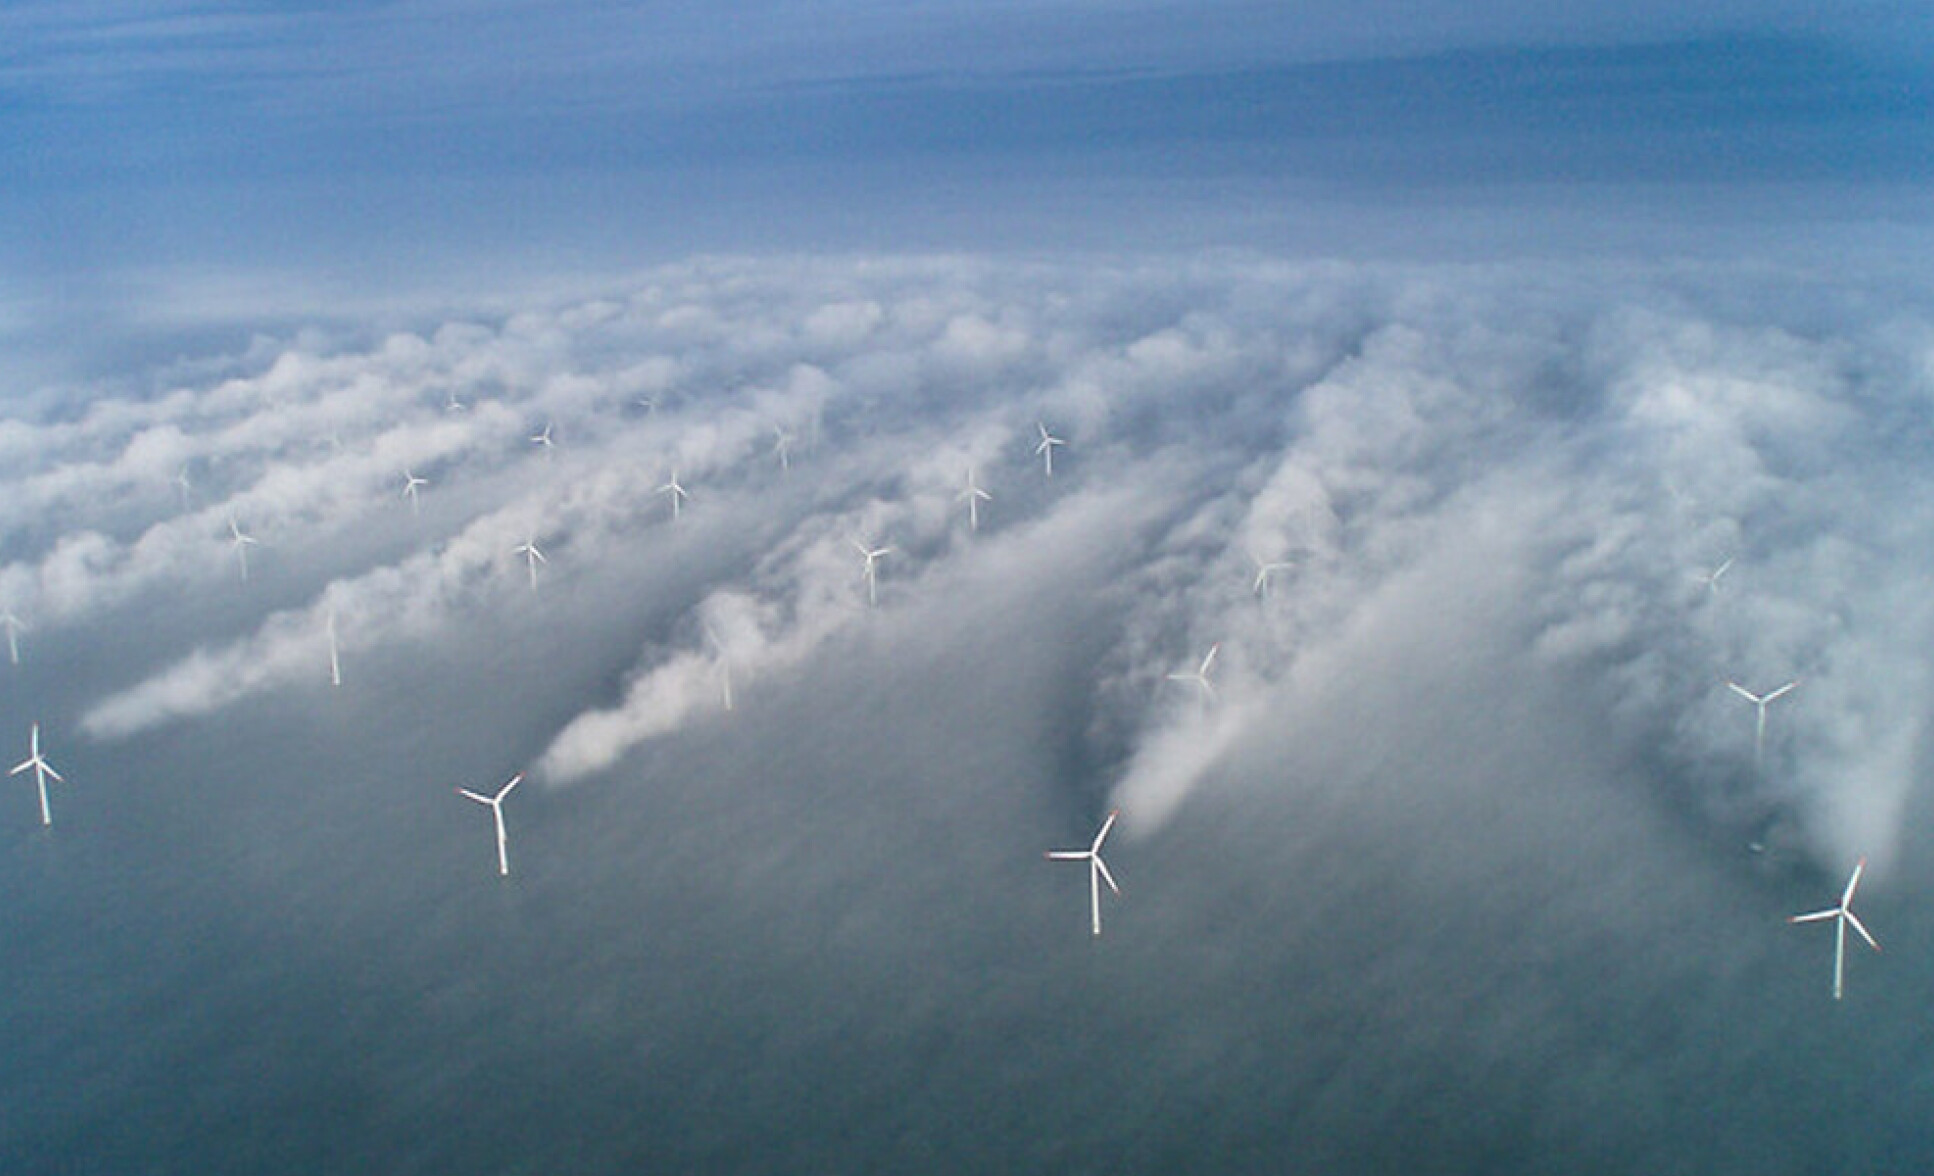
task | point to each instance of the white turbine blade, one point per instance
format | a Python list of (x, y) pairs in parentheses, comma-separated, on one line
[(1105, 826), (1059, 855), (1782, 690), (1101, 868), (49, 769), (21, 767), (1815, 917), (1862, 928), (1746, 694), (1846, 896), (478, 797), (512, 783), (1210, 659)]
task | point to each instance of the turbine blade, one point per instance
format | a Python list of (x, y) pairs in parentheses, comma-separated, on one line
[(1815, 917), (1101, 868), (478, 797), (1846, 898), (1744, 693), (1105, 826), (1066, 855), (49, 769), (21, 767), (1862, 928), (512, 783), (1782, 690)]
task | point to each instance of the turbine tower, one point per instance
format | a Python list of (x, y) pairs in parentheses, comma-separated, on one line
[(1049, 442), (13, 625), (496, 804), (1097, 869), (335, 660), (42, 770), (1842, 916)]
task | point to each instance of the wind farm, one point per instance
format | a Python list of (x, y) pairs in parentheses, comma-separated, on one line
[(1403, 459)]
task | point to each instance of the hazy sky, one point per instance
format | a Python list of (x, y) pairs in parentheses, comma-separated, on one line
[(1489, 386)]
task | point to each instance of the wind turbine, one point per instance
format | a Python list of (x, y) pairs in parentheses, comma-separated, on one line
[(1760, 701), (242, 542), (1264, 571), (335, 661), (1047, 446), (1842, 916), (1200, 675), (782, 447), (1711, 579), (677, 492), (183, 484), (411, 484), (1097, 869), (543, 440), (532, 556), (453, 404), (13, 625), (973, 496), (872, 557), (496, 804), (42, 770)]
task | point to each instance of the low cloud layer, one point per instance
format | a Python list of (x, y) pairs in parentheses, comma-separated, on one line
[(1302, 466)]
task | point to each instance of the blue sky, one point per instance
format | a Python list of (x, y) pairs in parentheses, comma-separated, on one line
[(175, 164)]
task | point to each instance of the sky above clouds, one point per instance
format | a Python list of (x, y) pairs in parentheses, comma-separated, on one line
[(1490, 388)]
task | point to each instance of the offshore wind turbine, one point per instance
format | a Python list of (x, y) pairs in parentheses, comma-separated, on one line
[(242, 542), (1842, 916), (1200, 675), (1711, 579), (13, 626), (543, 440), (1047, 447), (973, 496), (1760, 701), (42, 770), (412, 484), (677, 492), (532, 557), (183, 485), (872, 573), (452, 404), (1264, 572), (496, 804), (782, 447), (1097, 869)]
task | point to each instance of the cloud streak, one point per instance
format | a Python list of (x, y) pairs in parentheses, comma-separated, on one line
[(1574, 449)]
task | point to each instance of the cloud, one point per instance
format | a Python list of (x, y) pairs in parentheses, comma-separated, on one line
[(1550, 458)]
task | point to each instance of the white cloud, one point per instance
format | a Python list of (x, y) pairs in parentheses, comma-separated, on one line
[(1575, 449)]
